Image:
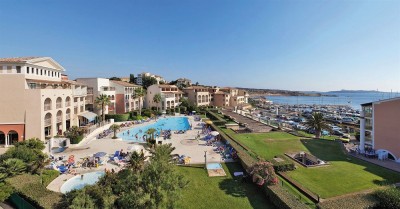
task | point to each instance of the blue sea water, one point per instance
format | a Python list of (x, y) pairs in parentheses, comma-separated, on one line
[(173, 123), (353, 100)]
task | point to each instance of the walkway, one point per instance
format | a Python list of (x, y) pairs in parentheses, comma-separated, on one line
[(389, 164), (253, 125)]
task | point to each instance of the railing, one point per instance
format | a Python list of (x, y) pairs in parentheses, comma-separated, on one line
[(168, 95), (89, 91), (67, 117), (47, 107), (58, 105), (59, 119), (89, 101), (67, 104), (47, 122)]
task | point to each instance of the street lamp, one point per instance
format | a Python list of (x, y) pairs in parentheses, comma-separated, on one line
[(205, 159)]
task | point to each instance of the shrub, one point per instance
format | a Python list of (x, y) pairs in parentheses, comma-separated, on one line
[(48, 176), (360, 200), (263, 173), (118, 117), (282, 199), (137, 117), (146, 112), (76, 140), (5, 191), (388, 198), (29, 187)]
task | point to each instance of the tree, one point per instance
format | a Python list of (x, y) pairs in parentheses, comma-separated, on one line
[(12, 167), (148, 81), (115, 128), (75, 134), (151, 132), (27, 151), (132, 78), (115, 79), (157, 99), (82, 201), (139, 94), (317, 123), (136, 161), (162, 153), (5, 191), (103, 100)]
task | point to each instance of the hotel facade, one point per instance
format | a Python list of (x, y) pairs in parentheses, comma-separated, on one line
[(36, 100), (380, 128), (170, 96)]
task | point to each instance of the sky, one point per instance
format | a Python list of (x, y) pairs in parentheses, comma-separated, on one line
[(299, 45)]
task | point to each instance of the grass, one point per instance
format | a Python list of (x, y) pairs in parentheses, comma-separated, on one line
[(344, 175), (220, 192)]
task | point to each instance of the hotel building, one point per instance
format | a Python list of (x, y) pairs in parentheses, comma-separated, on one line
[(380, 128), (183, 82), (124, 96), (198, 95), (140, 76), (170, 96), (36, 100)]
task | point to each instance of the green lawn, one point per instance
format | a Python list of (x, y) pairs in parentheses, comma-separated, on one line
[(220, 192), (344, 175)]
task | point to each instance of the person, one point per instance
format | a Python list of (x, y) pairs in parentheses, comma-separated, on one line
[(82, 177), (112, 171)]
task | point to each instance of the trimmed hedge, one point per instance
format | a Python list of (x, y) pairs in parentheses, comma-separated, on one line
[(283, 166), (48, 176), (29, 187), (283, 199), (118, 117), (350, 201), (388, 198), (76, 140)]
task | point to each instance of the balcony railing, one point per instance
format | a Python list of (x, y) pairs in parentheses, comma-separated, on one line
[(58, 105), (89, 91), (47, 122), (67, 117), (89, 101), (47, 107), (59, 119)]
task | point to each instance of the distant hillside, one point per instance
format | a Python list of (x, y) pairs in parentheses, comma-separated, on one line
[(355, 91), (260, 92)]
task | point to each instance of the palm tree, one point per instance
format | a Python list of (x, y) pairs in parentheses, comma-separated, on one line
[(12, 166), (139, 94), (136, 161), (103, 100), (115, 128), (162, 153), (151, 132), (318, 123), (157, 99)]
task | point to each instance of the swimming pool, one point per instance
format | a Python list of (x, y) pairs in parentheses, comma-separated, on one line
[(214, 166), (78, 182), (173, 123)]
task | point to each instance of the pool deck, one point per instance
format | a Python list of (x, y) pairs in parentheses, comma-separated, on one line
[(185, 144)]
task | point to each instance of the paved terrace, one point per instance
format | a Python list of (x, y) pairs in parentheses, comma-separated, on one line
[(185, 144), (254, 126)]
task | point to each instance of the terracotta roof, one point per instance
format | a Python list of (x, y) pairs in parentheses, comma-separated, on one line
[(123, 83), (167, 86), (219, 92), (17, 59)]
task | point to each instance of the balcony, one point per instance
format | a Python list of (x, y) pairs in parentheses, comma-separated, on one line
[(89, 101), (59, 119), (47, 122), (67, 117), (47, 107), (79, 92), (90, 91), (67, 104), (168, 96), (58, 105)]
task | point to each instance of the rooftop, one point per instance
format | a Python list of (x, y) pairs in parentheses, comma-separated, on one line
[(126, 84), (17, 59), (379, 101)]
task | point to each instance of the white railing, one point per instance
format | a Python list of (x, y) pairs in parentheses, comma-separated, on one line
[(67, 117), (67, 104), (58, 105), (47, 107), (59, 119), (47, 122)]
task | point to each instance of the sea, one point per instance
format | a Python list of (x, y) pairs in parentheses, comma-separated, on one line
[(352, 99)]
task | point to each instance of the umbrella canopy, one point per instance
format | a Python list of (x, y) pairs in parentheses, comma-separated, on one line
[(214, 133), (209, 122), (100, 154)]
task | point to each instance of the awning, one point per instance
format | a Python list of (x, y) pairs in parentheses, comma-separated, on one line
[(89, 115)]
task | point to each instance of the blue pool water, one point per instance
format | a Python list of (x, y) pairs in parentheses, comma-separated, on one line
[(173, 124), (78, 183), (213, 166)]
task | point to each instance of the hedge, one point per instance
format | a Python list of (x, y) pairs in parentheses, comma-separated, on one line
[(388, 198), (283, 166), (29, 187), (76, 140), (283, 199), (360, 200), (49, 175), (118, 117)]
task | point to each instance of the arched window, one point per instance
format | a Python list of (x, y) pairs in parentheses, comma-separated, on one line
[(47, 104), (67, 101), (59, 103)]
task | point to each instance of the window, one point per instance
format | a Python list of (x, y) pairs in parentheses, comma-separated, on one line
[(41, 71), (48, 73), (45, 72), (18, 69), (9, 69), (37, 71), (52, 74), (27, 70)]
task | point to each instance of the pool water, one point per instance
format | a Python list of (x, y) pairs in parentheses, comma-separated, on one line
[(78, 183), (173, 124), (213, 166)]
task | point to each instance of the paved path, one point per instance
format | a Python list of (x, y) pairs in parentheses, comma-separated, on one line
[(253, 125)]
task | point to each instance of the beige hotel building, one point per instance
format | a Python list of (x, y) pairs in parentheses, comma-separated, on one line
[(37, 100)]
